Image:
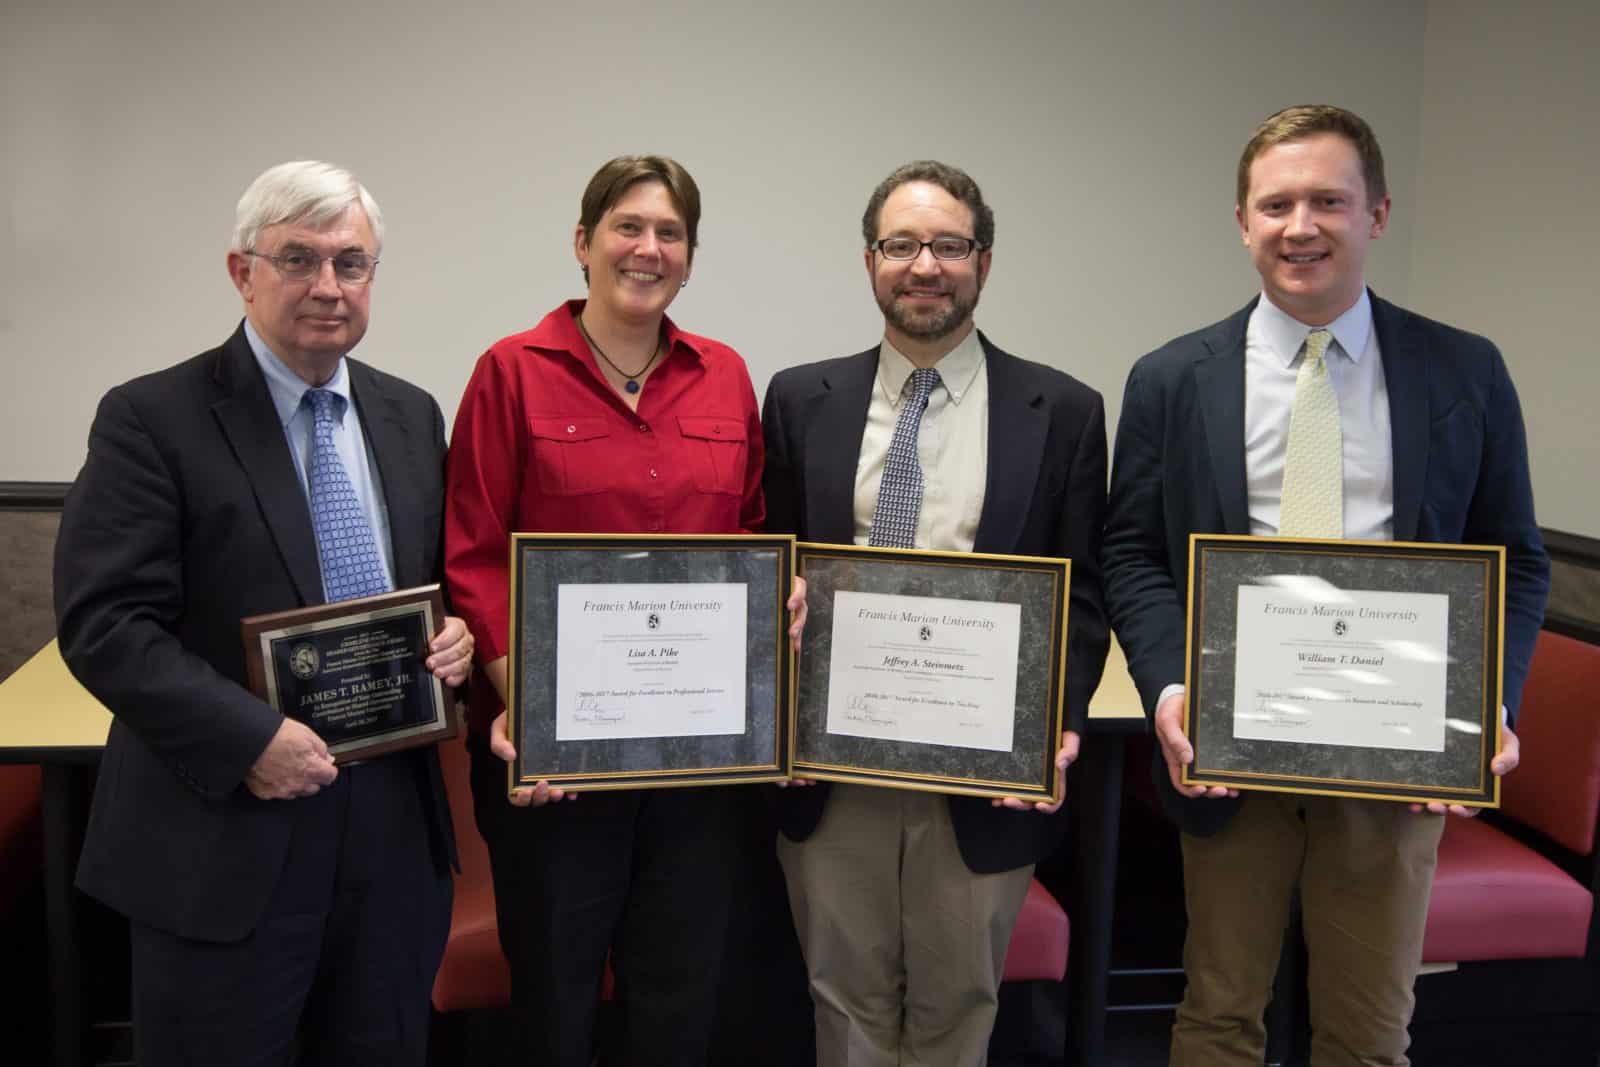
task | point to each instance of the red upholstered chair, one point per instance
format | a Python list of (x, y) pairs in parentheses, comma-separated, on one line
[(473, 973), (1496, 898), (1038, 948), (21, 836), (1513, 901)]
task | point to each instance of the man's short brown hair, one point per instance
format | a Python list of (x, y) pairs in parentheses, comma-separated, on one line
[(615, 178), (1307, 120), (953, 180)]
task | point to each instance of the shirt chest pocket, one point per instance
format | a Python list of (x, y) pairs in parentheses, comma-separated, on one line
[(571, 455), (716, 452)]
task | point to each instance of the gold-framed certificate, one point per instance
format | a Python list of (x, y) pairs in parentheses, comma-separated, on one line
[(647, 661), (1350, 668), (939, 671)]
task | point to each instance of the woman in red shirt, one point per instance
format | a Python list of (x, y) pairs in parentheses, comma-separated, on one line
[(603, 418)]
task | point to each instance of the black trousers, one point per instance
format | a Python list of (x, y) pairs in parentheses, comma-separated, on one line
[(339, 970), (646, 875)]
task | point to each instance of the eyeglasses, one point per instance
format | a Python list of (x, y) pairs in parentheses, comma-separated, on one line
[(911, 248), (302, 264)]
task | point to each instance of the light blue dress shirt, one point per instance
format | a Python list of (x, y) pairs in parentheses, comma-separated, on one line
[(287, 389)]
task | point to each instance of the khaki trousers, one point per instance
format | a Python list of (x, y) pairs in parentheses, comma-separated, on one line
[(1364, 868), (905, 946)]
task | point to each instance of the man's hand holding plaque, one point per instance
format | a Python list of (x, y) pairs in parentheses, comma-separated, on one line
[(364, 678)]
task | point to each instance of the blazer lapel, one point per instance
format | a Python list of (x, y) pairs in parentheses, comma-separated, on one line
[(385, 428), (250, 423), (1018, 427), (1219, 392), (1405, 380), (836, 417)]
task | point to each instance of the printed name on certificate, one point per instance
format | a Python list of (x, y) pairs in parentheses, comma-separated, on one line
[(927, 670), (650, 660), (1360, 668)]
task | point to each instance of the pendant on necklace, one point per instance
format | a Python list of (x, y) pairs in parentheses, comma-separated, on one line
[(632, 386)]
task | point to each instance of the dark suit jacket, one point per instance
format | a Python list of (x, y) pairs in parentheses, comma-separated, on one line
[(1044, 496), (187, 516), (1460, 476)]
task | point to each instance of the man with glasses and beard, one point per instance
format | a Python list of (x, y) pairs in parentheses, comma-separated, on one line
[(904, 901)]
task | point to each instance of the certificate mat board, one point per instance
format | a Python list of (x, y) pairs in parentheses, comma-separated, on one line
[(1345, 668), (649, 661), (355, 671), (938, 671)]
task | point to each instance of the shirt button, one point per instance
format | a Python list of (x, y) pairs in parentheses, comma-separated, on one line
[(644, 427), (572, 429), (652, 472)]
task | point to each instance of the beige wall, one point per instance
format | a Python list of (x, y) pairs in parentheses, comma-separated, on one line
[(1105, 134), (1507, 235)]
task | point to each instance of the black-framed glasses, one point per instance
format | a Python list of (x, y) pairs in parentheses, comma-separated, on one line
[(302, 264), (910, 248)]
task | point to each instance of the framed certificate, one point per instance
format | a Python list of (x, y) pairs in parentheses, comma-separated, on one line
[(354, 671), (640, 661), (1364, 669), (940, 671)]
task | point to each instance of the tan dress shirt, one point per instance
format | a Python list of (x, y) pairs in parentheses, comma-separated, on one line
[(952, 445)]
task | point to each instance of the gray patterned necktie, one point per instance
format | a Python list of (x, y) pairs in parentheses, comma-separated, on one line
[(894, 519), (1312, 504)]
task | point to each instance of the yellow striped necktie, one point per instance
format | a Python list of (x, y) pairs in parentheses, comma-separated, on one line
[(1313, 468)]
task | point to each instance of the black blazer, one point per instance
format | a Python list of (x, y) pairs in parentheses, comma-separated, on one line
[(1044, 496), (187, 516), (1460, 476)]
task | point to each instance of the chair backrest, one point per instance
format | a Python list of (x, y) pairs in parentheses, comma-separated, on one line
[(457, 768), (1556, 789), (28, 525)]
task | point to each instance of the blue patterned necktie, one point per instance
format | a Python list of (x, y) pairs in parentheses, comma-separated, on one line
[(894, 519), (351, 565)]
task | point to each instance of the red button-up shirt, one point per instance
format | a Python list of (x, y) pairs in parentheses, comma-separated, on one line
[(542, 443)]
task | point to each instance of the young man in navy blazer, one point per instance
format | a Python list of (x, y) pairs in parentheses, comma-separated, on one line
[(905, 901), (1432, 449), (275, 903)]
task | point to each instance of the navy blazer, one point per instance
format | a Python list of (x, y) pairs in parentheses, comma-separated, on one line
[(188, 515), (1044, 495), (1460, 476)]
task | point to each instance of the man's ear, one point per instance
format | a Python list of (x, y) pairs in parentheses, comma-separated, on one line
[(241, 271)]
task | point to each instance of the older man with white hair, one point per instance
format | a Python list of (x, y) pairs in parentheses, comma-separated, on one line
[(281, 909)]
